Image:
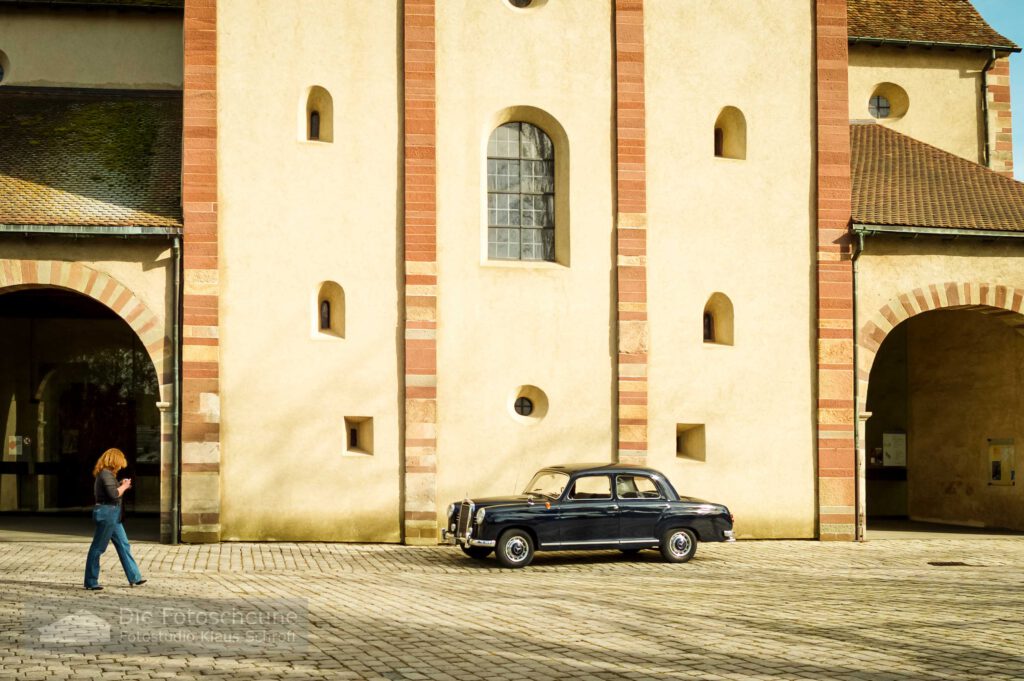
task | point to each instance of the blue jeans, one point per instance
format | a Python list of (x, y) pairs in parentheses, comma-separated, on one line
[(109, 528)]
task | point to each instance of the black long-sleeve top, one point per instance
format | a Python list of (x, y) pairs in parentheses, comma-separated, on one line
[(105, 488)]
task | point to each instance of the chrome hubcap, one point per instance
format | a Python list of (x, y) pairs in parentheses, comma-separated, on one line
[(515, 549), (680, 544)]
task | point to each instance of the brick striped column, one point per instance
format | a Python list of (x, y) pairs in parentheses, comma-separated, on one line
[(631, 231), (200, 428), (420, 437), (836, 444), (1000, 122)]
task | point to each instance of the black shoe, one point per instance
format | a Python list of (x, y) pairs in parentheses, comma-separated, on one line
[(140, 582), (95, 588)]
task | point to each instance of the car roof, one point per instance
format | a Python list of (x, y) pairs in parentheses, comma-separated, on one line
[(572, 468)]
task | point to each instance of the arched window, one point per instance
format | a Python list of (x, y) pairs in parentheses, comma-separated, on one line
[(314, 125), (318, 123), (330, 310), (718, 320), (325, 315), (520, 193), (731, 134)]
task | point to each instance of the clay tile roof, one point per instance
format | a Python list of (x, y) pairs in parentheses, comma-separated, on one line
[(80, 158), (946, 22), (900, 181), (131, 4)]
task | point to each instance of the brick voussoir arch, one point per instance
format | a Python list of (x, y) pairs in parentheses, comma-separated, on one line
[(22, 274), (1005, 302)]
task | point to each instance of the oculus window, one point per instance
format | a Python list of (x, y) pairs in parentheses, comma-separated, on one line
[(520, 193)]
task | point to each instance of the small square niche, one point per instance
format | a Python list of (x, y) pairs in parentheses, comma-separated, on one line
[(691, 442), (359, 435)]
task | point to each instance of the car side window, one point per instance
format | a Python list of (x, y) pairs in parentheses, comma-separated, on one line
[(636, 487), (591, 487)]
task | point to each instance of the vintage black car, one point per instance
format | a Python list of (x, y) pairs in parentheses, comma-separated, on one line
[(587, 506)]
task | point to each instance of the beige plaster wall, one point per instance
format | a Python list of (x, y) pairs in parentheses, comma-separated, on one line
[(966, 386), (944, 89), (92, 49), (506, 325), (744, 228), (292, 215)]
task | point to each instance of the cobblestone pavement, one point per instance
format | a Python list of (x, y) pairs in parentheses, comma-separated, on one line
[(749, 610)]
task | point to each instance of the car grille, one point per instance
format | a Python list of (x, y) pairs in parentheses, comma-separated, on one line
[(465, 519)]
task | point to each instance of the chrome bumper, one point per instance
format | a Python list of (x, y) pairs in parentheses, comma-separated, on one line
[(729, 535), (449, 537)]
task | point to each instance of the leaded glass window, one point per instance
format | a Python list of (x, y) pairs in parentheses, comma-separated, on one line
[(520, 194), (879, 107)]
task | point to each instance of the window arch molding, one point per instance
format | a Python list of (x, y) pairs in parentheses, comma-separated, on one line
[(317, 103), (328, 314), (554, 130), (718, 320), (731, 134)]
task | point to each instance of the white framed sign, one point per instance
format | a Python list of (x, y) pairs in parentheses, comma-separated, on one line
[(894, 449)]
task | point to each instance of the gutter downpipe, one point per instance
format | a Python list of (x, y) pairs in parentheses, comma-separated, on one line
[(984, 107), (860, 527), (176, 389)]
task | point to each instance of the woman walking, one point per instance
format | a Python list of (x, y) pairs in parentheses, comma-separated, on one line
[(107, 514)]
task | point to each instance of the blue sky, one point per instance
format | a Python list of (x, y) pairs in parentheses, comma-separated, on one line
[(1007, 17)]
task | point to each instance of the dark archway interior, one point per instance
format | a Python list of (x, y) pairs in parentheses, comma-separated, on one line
[(74, 381), (946, 396)]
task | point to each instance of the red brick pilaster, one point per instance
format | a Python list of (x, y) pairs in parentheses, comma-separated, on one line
[(420, 440), (631, 231), (1000, 123), (836, 444), (200, 362)]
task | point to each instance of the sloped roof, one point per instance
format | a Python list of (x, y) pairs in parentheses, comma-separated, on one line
[(944, 22), (113, 4), (90, 158), (900, 181)]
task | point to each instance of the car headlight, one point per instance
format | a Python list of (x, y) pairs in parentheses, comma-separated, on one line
[(480, 516), (448, 513)]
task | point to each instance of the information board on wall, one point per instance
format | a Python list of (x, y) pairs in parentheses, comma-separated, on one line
[(894, 449), (1002, 462)]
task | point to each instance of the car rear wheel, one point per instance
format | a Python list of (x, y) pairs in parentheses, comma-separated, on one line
[(477, 552), (678, 545), (514, 549)]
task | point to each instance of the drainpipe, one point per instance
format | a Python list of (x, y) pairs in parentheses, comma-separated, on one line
[(860, 517), (176, 389), (984, 108)]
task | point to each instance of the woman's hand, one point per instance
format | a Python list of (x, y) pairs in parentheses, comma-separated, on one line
[(125, 484)]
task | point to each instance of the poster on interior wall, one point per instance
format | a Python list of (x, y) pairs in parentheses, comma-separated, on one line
[(1001, 462), (894, 449)]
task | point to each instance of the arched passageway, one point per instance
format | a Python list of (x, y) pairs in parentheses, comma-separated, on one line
[(75, 379), (945, 406)]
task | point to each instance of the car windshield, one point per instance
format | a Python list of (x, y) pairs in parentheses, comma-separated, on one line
[(547, 484)]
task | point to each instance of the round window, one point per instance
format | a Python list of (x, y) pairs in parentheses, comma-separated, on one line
[(521, 4), (527, 404), (524, 406), (879, 107)]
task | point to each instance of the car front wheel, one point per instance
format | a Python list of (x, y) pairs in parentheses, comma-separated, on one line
[(678, 545), (514, 549), (477, 552)]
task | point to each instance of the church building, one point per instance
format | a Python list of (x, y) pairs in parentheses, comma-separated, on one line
[(322, 267)]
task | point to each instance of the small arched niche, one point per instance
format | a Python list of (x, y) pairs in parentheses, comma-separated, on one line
[(731, 134), (888, 102), (718, 320), (318, 116), (329, 314)]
